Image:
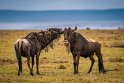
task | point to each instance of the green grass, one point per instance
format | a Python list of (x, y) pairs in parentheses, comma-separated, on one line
[(56, 65)]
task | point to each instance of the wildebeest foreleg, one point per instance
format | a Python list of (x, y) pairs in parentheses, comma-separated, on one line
[(92, 63), (77, 61), (37, 60), (37, 63), (74, 63), (32, 64)]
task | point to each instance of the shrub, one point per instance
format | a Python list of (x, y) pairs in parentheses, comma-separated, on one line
[(88, 28), (116, 60), (62, 67)]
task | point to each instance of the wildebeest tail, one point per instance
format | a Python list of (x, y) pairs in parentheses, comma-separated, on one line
[(18, 48)]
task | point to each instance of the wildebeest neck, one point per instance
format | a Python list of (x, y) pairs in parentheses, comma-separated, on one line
[(46, 39), (78, 38)]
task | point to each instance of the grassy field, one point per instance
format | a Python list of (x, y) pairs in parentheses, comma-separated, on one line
[(57, 64)]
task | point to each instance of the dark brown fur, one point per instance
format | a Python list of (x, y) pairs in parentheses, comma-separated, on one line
[(79, 46)]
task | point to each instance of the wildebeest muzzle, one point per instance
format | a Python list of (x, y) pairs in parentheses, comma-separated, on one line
[(66, 43)]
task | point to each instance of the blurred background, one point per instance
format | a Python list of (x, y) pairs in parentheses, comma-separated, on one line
[(42, 14)]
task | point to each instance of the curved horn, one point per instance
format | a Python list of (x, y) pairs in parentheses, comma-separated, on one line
[(75, 28), (69, 28)]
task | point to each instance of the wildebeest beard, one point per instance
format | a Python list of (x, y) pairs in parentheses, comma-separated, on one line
[(68, 48), (56, 33)]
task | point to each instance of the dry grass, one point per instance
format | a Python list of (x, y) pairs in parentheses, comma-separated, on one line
[(57, 64)]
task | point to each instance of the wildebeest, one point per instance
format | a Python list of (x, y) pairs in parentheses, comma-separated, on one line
[(79, 46), (32, 45)]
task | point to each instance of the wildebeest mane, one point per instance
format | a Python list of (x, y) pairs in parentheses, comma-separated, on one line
[(75, 37)]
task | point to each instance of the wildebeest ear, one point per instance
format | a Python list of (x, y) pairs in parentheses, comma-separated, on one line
[(69, 28), (75, 28), (65, 28)]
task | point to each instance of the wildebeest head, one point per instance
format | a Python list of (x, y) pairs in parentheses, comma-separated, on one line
[(68, 32), (47, 37), (58, 30)]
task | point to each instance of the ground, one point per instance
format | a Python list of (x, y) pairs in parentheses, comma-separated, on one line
[(56, 65)]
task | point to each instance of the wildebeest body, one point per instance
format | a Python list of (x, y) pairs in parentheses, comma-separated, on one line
[(33, 44), (86, 49)]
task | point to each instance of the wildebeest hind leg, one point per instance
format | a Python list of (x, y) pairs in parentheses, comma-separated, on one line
[(19, 65), (28, 63), (100, 62)]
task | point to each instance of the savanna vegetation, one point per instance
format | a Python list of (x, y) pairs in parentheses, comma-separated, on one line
[(56, 65)]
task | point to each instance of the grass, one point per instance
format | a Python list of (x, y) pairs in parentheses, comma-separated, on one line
[(56, 65)]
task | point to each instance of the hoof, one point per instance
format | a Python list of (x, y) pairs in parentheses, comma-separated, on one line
[(75, 73), (31, 74), (102, 72), (88, 72), (18, 74), (38, 73)]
